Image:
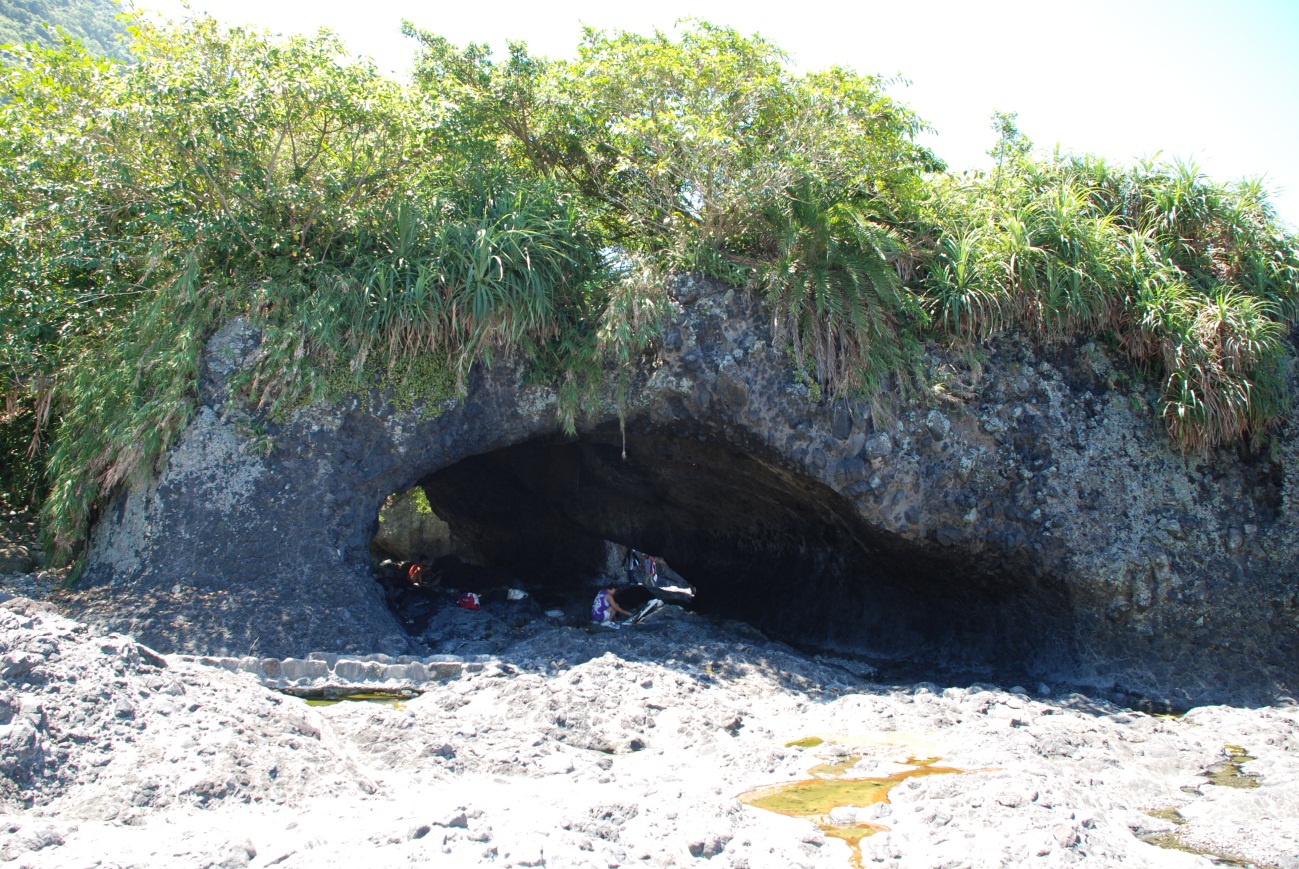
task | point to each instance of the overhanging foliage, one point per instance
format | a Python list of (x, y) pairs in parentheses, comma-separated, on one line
[(380, 233)]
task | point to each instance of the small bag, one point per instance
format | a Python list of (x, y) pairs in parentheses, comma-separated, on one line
[(469, 601)]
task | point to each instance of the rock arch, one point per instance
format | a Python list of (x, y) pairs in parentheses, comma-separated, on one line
[(1030, 512)]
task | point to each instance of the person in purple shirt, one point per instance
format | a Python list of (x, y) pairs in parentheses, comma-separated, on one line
[(605, 607)]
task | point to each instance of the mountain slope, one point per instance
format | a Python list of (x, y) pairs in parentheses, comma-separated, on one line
[(94, 22)]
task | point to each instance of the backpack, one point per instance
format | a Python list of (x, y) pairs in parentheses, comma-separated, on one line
[(468, 601)]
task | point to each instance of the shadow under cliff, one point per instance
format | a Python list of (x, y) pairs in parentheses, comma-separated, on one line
[(760, 542)]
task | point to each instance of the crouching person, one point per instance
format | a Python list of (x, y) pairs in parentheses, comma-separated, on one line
[(605, 608)]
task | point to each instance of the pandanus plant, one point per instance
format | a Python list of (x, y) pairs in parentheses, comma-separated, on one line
[(834, 292)]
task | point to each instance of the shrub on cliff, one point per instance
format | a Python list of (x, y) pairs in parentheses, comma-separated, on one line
[(1194, 280), (705, 152), (384, 235), (226, 172)]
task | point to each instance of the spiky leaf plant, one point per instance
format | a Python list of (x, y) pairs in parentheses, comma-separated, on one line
[(1194, 280), (961, 298), (834, 293)]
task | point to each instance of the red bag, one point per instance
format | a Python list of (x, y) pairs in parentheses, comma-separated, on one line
[(469, 601)]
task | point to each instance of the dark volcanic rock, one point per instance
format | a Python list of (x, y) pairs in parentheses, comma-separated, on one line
[(1030, 514)]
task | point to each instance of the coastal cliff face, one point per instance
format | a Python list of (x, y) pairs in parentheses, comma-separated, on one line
[(1026, 514)]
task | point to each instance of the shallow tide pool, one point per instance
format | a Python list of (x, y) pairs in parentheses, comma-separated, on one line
[(833, 786)]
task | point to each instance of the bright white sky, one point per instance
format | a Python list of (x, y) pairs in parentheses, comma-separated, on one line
[(1207, 80)]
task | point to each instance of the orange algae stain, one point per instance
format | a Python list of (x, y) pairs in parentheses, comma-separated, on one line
[(815, 798), (853, 836)]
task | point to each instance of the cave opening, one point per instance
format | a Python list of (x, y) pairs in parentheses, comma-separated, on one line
[(761, 543)]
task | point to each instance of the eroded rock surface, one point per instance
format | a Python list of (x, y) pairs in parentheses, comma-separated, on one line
[(594, 750), (1028, 513)]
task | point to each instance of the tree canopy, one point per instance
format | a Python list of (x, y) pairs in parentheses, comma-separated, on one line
[(392, 235)]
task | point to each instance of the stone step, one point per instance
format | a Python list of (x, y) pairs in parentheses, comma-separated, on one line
[(321, 669)]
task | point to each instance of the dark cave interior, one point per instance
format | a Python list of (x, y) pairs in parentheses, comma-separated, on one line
[(761, 544)]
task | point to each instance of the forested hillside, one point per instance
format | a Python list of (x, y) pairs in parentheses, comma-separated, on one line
[(94, 22), (381, 234)]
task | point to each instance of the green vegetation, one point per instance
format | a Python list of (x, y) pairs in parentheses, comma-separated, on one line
[(420, 497), (385, 238), (224, 173), (705, 153), (1194, 281), (93, 22)]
